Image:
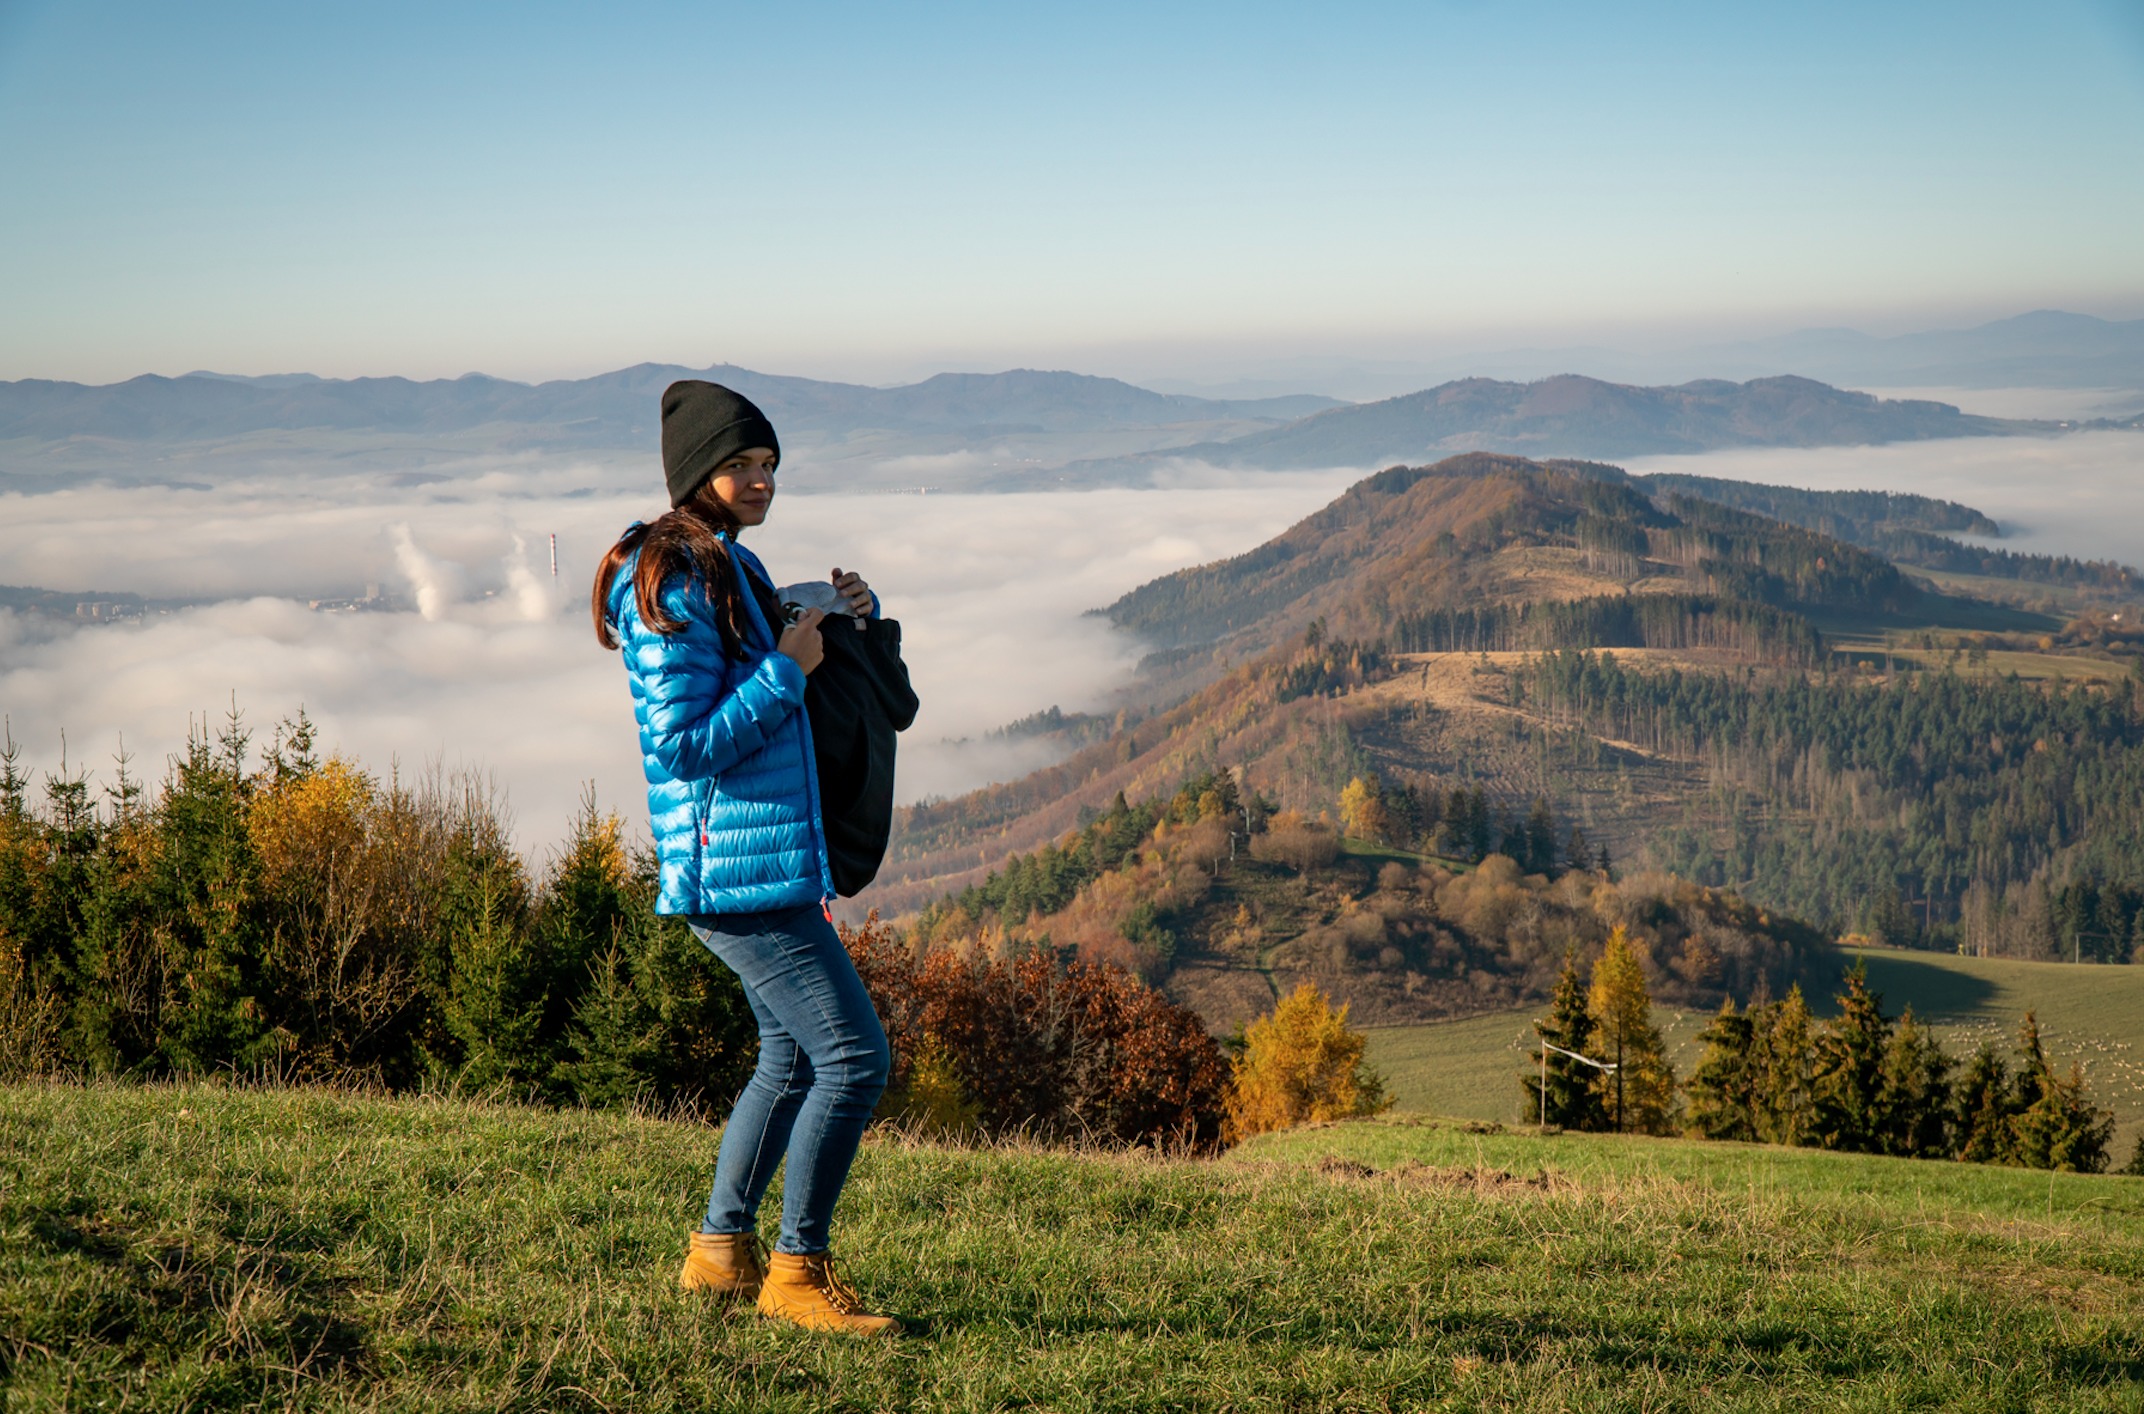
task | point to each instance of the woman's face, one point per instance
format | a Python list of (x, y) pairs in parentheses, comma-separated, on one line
[(745, 484)]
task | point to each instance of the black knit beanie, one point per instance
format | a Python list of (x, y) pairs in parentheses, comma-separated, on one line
[(705, 424)]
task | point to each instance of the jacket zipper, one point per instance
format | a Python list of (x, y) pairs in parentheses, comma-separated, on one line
[(811, 767)]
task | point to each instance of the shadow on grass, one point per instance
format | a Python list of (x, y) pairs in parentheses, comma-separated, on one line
[(1937, 993), (265, 1308)]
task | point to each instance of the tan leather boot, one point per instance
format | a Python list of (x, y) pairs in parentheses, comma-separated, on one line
[(723, 1264), (804, 1289)]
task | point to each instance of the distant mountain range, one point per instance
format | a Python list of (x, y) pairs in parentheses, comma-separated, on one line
[(1585, 417), (1562, 416), (613, 409), (2046, 348)]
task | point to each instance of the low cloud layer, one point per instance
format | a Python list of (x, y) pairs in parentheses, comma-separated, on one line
[(2082, 494), (488, 664)]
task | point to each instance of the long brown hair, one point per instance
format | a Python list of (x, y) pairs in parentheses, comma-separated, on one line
[(686, 541)]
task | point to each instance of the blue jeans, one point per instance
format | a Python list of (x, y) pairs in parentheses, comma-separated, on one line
[(822, 1066)]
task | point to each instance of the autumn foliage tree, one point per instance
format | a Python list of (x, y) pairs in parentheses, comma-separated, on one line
[(1363, 815), (296, 914), (1301, 1063), (1639, 1095), (1030, 1044)]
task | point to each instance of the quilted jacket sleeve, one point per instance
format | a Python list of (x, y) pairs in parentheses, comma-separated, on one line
[(699, 724)]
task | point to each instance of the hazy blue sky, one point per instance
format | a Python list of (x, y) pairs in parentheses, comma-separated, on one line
[(870, 190)]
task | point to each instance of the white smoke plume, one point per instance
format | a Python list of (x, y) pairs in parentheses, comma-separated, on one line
[(430, 582)]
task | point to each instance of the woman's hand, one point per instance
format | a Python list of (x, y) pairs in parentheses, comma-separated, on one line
[(801, 640), (851, 587)]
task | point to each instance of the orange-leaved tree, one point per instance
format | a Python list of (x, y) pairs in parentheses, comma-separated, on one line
[(1640, 1092), (1027, 1043), (1301, 1063)]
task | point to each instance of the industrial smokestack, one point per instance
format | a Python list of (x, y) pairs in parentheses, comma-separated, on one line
[(554, 554)]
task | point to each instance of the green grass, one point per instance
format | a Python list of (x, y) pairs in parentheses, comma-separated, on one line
[(2092, 1013), (1470, 1069), (195, 1248)]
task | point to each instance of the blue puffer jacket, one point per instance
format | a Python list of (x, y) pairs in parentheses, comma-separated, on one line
[(733, 793)]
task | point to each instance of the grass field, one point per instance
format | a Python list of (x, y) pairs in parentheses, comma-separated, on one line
[(201, 1248), (2091, 1013)]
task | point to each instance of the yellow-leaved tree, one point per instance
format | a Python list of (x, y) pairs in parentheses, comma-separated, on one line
[(1301, 1063), (1362, 812), (1640, 1094)]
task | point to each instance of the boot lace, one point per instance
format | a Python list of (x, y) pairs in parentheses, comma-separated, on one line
[(839, 1294)]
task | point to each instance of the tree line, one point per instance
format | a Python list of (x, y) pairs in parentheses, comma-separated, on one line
[(1858, 1082), (281, 914)]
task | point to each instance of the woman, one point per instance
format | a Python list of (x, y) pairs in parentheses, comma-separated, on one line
[(733, 798)]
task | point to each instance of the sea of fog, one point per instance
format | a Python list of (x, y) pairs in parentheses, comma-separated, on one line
[(488, 664), (2081, 494)]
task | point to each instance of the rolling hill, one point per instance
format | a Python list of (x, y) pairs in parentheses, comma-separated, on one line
[(1482, 552), (1741, 701)]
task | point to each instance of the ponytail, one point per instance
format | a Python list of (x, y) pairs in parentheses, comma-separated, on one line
[(689, 540)]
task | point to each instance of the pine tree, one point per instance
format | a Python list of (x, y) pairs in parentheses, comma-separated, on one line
[(582, 911), (207, 878), (1722, 1091), (496, 1004), (1467, 828), (2058, 1127), (705, 1038), (1983, 1106), (1785, 1092), (2135, 1167), (612, 1041), (1540, 838), (1916, 1099), (1572, 1101), (1848, 1081), (1640, 1093)]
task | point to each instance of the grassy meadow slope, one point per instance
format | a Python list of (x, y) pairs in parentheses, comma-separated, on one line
[(211, 1248), (2093, 1014)]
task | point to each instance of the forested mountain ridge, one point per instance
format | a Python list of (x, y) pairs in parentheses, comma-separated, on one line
[(1911, 530), (1427, 633), (1480, 553), (1402, 551)]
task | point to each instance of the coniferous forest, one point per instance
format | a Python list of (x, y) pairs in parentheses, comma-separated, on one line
[(1986, 814)]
